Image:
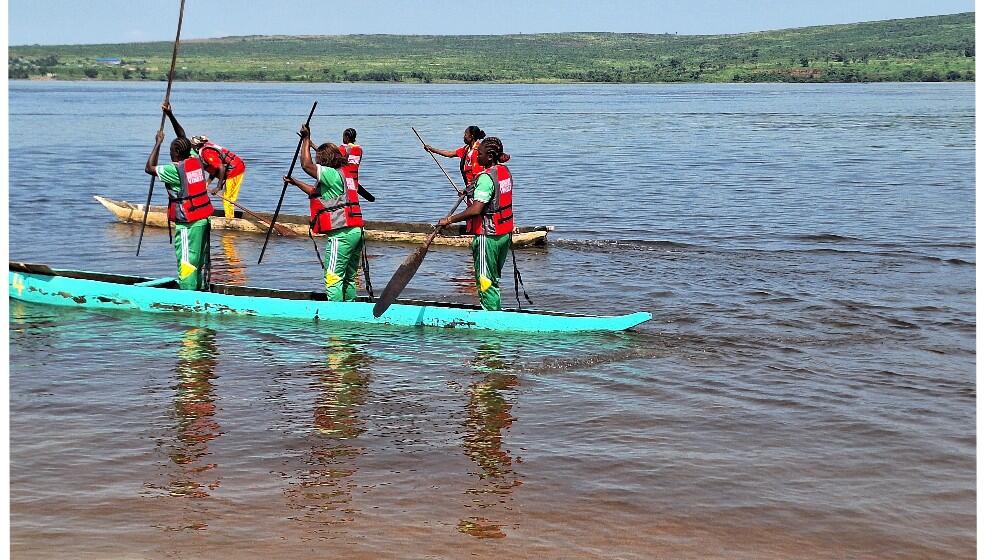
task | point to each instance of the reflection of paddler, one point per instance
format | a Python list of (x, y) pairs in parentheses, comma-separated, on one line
[(336, 212), (490, 217), (342, 386), (234, 273), (195, 408), (189, 209), (489, 414), (323, 492), (466, 283)]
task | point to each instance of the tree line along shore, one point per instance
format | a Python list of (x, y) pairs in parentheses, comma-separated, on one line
[(930, 49)]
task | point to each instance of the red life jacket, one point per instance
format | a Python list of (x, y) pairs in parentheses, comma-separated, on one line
[(353, 165), (470, 162), (191, 203), (344, 211), (498, 216), (234, 164)]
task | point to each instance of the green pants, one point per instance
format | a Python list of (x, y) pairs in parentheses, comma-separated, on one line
[(191, 245), (489, 252), (340, 260)]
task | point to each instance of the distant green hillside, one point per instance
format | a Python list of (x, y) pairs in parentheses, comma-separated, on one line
[(938, 48)]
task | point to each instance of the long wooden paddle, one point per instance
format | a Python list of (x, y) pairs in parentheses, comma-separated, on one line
[(163, 119), (291, 167), (409, 267), (406, 270), (437, 162), (365, 194)]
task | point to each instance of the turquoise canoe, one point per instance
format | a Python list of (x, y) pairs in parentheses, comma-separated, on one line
[(37, 283)]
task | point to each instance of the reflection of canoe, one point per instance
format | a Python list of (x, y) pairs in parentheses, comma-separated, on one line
[(39, 284), (400, 232)]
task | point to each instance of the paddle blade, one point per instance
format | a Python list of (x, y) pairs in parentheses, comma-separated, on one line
[(399, 281)]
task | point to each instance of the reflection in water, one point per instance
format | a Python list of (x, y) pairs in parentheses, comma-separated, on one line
[(323, 492), (488, 416), (465, 284), (33, 326), (232, 271), (190, 474), (20, 315)]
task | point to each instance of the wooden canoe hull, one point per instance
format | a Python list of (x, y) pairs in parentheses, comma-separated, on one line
[(391, 232), (40, 284)]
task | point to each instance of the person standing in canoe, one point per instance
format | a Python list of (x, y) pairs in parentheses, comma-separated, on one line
[(353, 153), (469, 165), (334, 210), (189, 209), (490, 217), (221, 163)]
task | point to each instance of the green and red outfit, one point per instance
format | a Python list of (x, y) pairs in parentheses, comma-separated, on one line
[(191, 239), (336, 213), (494, 188)]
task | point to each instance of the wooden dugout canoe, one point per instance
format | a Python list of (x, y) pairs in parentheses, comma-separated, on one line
[(399, 232), (37, 283)]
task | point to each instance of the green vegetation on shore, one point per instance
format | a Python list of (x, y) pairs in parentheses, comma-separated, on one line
[(937, 48)]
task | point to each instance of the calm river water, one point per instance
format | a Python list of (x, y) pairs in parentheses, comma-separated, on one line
[(806, 388)]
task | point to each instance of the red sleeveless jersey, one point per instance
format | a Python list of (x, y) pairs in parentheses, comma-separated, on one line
[(191, 203), (498, 216), (353, 165)]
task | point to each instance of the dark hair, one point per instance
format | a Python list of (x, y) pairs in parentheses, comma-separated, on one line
[(476, 132), (181, 147), (350, 135), (492, 147), (329, 155)]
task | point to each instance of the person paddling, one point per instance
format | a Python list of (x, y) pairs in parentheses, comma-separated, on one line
[(469, 165), (189, 209), (469, 152), (335, 211), (353, 153), (490, 217), (221, 163)]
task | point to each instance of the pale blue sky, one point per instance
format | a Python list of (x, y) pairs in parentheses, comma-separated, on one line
[(118, 21)]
